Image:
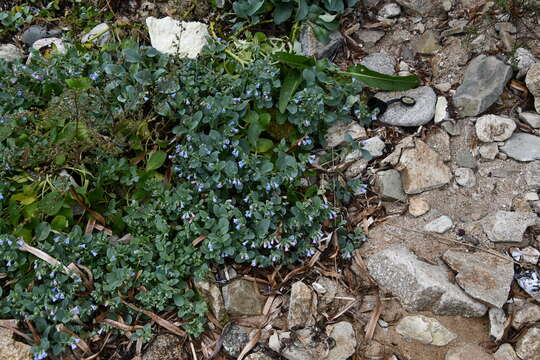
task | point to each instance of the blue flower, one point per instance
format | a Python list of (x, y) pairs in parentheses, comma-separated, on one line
[(93, 253), (82, 246), (187, 102), (94, 76), (241, 163), (247, 214), (42, 355), (373, 117)]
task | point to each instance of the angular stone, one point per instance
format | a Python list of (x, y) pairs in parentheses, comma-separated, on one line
[(423, 7), (507, 226), (427, 43), (527, 314), (100, 34), (528, 345), (375, 146), (522, 147), (235, 338), (441, 112), (258, 356), (468, 352), (11, 349), (497, 320), (422, 169), (505, 352), (490, 128), (466, 159), (483, 276), (530, 118), (483, 83), (170, 36), (421, 113), (488, 151), (356, 169), (212, 295), (532, 80), (523, 60), (46, 42), (336, 133), (388, 185), (302, 306), (380, 62), (439, 140), (389, 11), (345, 341), (426, 330), (439, 225), (163, 347), (370, 37), (420, 286), (10, 53), (242, 298), (418, 206), (465, 177), (528, 254)]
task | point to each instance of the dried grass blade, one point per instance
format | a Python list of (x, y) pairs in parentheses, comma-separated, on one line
[(254, 338), (370, 328), (159, 320)]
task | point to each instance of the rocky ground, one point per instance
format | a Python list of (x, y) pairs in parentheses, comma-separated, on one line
[(450, 267)]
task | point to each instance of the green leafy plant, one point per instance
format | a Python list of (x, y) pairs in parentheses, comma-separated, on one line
[(138, 171)]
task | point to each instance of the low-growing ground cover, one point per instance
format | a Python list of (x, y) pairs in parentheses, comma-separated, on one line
[(134, 172)]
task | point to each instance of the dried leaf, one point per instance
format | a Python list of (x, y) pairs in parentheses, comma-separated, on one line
[(254, 338), (159, 320)]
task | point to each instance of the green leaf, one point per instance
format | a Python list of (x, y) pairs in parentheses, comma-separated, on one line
[(327, 17), (24, 199), (247, 8), (292, 81), (282, 12), (303, 10), (81, 83), (156, 160), (295, 61), (264, 145), (381, 81), (42, 231), (253, 133), (143, 77), (262, 227)]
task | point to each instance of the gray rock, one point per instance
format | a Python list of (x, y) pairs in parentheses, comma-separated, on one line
[(439, 140), (11, 349), (418, 206), (483, 276), (522, 147), (9, 53), (242, 298), (465, 177), (388, 185), (311, 46), (483, 83), (523, 60), (422, 169), (490, 128), (420, 286), (530, 118), (310, 343), (423, 7), (468, 352), (532, 175), (526, 315), (488, 151), (375, 146), (164, 347), (426, 330), (302, 306), (465, 159), (528, 345), (505, 352), (258, 356), (421, 113), (457, 27), (235, 338), (532, 80), (441, 112), (440, 225), (58, 44), (99, 34), (427, 43), (380, 62), (170, 36), (370, 37), (335, 135), (389, 11), (356, 169), (497, 320), (345, 341), (507, 226), (527, 254), (36, 32), (212, 295)]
